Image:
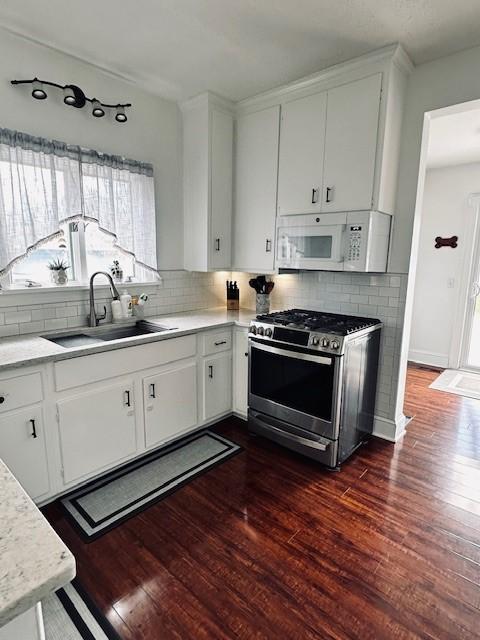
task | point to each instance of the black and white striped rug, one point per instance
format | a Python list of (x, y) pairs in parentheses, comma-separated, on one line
[(111, 499), (70, 614)]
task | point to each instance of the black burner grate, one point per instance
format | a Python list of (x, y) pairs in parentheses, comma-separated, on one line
[(318, 321)]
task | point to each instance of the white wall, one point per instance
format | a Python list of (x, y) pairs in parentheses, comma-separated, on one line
[(152, 133), (440, 272)]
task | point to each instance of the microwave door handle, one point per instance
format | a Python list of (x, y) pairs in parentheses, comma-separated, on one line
[(292, 354)]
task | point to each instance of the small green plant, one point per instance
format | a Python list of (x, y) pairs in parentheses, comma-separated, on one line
[(58, 265)]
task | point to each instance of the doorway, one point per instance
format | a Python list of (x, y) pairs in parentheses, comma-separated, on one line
[(445, 311)]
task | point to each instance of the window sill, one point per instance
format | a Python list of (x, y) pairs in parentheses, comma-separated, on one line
[(75, 287), (64, 293)]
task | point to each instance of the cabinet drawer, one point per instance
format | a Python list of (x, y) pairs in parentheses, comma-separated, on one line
[(102, 366), (216, 341), (20, 391)]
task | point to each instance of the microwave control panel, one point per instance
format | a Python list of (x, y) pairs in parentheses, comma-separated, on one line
[(354, 242), (367, 237)]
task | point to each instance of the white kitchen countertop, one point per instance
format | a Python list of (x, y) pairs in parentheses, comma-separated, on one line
[(33, 349), (34, 562)]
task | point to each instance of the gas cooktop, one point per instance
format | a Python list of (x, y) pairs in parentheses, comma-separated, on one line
[(331, 323)]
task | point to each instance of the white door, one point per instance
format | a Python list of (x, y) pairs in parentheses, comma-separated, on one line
[(22, 448), (256, 173), (97, 429), (170, 402), (351, 145), (221, 190), (302, 146), (217, 385), (240, 374)]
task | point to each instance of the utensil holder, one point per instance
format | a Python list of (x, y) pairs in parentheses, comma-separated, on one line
[(262, 302)]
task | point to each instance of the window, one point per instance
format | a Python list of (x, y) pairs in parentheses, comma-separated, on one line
[(87, 209), (85, 249)]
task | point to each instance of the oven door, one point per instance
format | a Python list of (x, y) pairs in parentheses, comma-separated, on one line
[(297, 386)]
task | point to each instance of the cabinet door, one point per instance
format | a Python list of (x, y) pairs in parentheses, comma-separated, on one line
[(221, 190), (351, 145), (256, 190), (302, 146), (22, 447), (217, 385), (170, 401), (240, 373), (97, 429)]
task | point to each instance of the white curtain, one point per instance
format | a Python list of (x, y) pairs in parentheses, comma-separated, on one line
[(45, 183)]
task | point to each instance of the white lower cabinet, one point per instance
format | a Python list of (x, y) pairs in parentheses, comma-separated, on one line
[(97, 429), (217, 385), (22, 448), (170, 403), (240, 372)]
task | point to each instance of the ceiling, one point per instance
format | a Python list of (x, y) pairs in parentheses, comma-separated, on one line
[(179, 48), (454, 139)]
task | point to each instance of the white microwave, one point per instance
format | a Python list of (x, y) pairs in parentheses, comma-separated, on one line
[(353, 241)]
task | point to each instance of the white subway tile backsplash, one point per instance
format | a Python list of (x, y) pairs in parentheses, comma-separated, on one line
[(9, 330), (15, 317)]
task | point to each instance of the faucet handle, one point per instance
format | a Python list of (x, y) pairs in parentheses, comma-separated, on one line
[(102, 317)]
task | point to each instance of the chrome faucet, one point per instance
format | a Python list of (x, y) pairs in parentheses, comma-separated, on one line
[(93, 319)]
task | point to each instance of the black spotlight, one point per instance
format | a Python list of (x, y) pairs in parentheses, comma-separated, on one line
[(97, 109), (121, 116), (38, 92)]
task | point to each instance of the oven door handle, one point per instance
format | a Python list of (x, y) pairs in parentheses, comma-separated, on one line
[(313, 444), (292, 354)]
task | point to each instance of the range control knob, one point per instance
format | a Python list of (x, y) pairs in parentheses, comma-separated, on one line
[(268, 332), (325, 342), (260, 331), (335, 344), (253, 330), (315, 340)]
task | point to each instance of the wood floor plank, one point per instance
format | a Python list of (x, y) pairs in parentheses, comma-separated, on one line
[(269, 545)]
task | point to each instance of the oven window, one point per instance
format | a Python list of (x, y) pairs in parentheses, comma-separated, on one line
[(294, 383), (316, 247)]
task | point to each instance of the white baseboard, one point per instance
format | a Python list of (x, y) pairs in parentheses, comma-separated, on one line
[(429, 358), (391, 430)]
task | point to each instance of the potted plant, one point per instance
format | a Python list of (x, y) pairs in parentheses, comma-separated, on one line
[(116, 271), (58, 269)]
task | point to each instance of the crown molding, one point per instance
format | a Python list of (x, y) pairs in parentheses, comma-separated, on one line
[(394, 53)]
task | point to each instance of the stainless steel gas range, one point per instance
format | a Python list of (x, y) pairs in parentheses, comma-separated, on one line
[(312, 381)]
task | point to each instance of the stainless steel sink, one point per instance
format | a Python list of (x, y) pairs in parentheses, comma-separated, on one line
[(96, 336)]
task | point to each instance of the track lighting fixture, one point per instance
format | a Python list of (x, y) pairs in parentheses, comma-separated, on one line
[(73, 96)]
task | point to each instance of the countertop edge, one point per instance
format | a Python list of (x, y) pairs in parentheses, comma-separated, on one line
[(60, 353)]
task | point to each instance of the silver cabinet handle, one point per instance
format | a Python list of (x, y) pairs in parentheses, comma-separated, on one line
[(151, 391), (127, 398), (210, 371), (217, 344), (217, 244), (34, 430), (328, 192), (315, 195), (268, 245)]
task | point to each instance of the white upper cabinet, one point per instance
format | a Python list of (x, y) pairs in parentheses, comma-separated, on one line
[(351, 145), (256, 170), (207, 183), (302, 145)]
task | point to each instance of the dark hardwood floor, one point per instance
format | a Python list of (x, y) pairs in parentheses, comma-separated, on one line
[(269, 545)]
